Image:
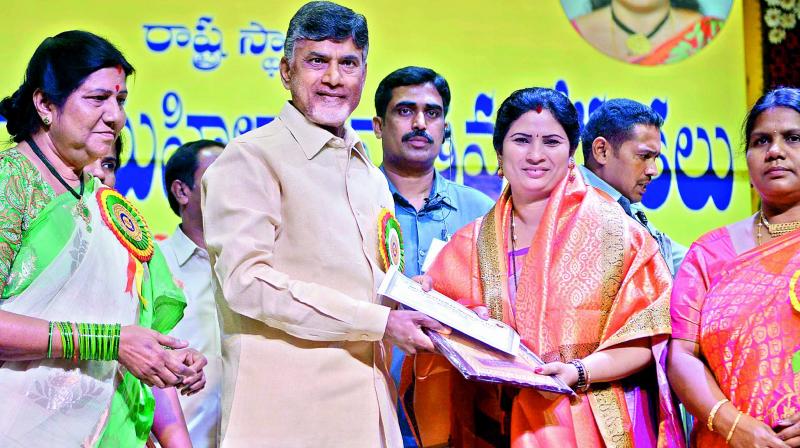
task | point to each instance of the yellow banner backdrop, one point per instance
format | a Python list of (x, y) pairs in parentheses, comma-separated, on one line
[(208, 69)]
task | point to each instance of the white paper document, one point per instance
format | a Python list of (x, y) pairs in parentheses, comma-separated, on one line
[(493, 333)]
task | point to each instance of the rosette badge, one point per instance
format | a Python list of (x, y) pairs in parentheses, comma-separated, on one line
[(125, 222), (390, 244)]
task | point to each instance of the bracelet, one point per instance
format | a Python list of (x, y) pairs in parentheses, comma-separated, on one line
[(713, 413), (117, 331), (582, 385), (78, 348), (63, 339), (96, 342), (733, 428), (70, 341), (588, 376), (50, 340), (99, 342), (67, 343)]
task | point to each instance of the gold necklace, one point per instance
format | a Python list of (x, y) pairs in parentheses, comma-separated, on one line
[(774, 230), (514, 250)]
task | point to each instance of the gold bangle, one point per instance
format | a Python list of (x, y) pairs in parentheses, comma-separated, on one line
[(733, 428), (588, 377), (710, 423)]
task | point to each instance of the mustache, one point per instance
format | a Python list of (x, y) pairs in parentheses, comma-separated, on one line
[(417, 133)]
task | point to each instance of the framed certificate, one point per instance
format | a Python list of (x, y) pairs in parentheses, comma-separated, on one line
[(479, 362)]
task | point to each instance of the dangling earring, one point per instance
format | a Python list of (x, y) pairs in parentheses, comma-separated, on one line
[(571, 175), (500, 168), (46, 121)]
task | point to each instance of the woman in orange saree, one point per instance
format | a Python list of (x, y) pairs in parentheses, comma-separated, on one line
[(581, 283), (734, 359)]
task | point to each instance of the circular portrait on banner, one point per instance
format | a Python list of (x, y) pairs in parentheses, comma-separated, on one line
[(648, 32)]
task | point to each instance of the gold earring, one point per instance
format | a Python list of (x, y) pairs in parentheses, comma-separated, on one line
[(500, 169), (46, 121), (571, 166)]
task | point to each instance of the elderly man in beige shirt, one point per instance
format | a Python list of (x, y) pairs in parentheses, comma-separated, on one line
[(291, 213)]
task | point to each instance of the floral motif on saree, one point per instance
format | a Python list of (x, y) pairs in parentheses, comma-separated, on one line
[(23, 194)]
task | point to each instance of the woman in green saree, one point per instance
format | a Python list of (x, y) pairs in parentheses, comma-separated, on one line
[(86, 296)]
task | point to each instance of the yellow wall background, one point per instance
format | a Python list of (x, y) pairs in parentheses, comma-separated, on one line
[(482, 48)]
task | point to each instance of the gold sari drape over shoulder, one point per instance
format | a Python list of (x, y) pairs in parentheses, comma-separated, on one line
[(593, 279)]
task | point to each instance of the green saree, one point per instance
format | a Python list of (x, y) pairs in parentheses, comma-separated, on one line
[(63, 259)]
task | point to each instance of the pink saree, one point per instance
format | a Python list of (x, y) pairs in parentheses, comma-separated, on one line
[(748, 333), (591, 280)]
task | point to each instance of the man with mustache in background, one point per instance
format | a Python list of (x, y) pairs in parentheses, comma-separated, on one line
[(621, 144), (411, 104)]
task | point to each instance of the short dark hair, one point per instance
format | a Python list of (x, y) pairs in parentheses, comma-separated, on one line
[(58, 67), (182, 166), (118, 144), (787, 97), (409, 76), (614, 120), (536, 98), (326, 21)]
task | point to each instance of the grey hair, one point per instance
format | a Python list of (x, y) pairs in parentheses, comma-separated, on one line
[(322, 20)]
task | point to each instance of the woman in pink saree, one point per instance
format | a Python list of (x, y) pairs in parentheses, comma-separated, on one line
[(583, 285), (735, 309)]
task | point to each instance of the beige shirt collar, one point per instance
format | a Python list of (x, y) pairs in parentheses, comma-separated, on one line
[(184, 247), (312, 138)]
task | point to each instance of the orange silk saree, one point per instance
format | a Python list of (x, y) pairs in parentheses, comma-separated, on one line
[(593, 278)]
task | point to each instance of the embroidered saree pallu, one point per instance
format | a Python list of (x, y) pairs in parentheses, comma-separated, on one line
[(750, 333), (591, 280), (84, 261)]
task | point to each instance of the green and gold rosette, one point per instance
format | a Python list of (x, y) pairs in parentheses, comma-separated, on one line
[(390, 244), (126, 224)]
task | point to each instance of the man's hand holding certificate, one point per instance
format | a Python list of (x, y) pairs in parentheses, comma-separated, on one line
[(482, 350), (491, 332)]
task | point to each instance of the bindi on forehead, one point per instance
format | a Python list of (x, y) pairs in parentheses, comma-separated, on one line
[(116, 88)]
